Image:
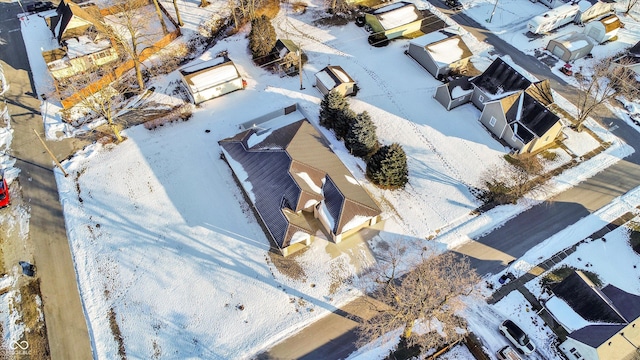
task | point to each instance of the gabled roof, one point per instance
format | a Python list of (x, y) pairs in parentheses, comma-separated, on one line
[(332, 76), (444, 47), (292, 168), (207, 74), (66, 10), (527, 117), (396, 14), (541, 91), (596, 335), (501, 78), (587, 300), (286, 44), (634, 50), (462, 83)]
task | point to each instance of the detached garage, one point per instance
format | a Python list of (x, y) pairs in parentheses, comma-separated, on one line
[(571, 46), (210, 79)]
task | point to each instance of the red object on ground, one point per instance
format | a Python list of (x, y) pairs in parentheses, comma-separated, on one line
[(4, 194)]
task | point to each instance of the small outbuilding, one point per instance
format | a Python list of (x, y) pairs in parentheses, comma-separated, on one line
[(593, 9), (334, 78), (454, 93), (440, 52), (571, 46), (604, 29), (401, 19), (210, 79)]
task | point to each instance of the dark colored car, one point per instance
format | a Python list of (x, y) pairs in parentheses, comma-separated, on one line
[(4, 193), (517, 337)]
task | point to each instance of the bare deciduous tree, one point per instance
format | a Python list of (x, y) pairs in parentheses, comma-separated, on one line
[(630, 5), (160, 17), (607, 80), (424, 303), (132, 28), (175, 6), (506, 184), (338, 6)]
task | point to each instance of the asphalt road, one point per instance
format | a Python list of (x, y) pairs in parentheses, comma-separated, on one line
[(64, 316), (491, 253)]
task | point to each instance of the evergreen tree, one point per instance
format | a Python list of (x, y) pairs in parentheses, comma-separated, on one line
[(387, 168), (361, 138), (331, 108), (343, 122), (262, 37)]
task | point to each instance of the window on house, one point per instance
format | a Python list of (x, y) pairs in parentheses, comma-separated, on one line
[(492, 122), (575, 353), (481, 98)]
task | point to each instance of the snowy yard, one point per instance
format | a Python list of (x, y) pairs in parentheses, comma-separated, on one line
[(162, 236)]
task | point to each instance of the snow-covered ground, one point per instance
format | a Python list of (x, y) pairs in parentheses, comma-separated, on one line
[(161, 234)]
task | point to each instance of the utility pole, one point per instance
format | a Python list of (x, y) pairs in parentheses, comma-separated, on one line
[(51, 154), (299, 52), (493, 11)]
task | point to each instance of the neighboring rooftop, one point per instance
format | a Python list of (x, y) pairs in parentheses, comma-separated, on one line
[(501, 78)]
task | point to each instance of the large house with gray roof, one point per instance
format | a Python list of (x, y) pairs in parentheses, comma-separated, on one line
[(297, 185), (514, 108), (602, 323)]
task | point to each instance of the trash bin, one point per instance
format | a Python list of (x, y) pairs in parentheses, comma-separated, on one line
[(27, 268)]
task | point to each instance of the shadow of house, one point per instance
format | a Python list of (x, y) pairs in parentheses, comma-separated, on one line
[(440, 52), (514, 109), (334, 78), (289, 172), (401, 19), (210, 79), (79, 30), (602, 323)]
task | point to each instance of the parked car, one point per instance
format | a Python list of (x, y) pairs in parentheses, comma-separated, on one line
[(507, 353), (517, 337), (4, 193)]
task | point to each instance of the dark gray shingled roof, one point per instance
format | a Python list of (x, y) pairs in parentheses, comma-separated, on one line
[(500, 77), (596, 335), (611, 309), (535, 119), (586, 300), (278, 170)]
